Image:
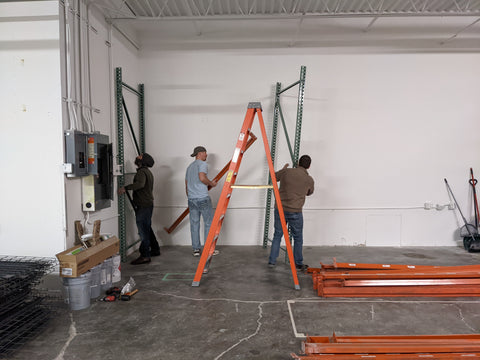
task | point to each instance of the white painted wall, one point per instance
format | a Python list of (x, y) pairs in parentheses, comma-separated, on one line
[(40, 204), (108, 50), (383, 131), (31, 139)]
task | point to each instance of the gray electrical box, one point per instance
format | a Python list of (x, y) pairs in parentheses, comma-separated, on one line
[(76, 153), (97, 188)]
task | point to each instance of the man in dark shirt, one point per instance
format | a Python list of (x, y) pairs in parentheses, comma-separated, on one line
[(295, 184), (143, 200)]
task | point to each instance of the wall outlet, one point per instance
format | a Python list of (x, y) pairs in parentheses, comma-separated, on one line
[(67, 168)]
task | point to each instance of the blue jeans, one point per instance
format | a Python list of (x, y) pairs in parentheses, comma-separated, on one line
[(143, 218), (204, 208), (295, 223)]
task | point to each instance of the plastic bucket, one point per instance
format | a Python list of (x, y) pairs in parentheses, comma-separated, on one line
[(106, 274), (116, 271), (77, 291), (95, 288)]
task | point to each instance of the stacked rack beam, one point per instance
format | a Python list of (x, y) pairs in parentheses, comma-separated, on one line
[(450, 347), (389, 280), (22, 313)]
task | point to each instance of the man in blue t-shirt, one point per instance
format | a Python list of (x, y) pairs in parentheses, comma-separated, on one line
[(199, 202)]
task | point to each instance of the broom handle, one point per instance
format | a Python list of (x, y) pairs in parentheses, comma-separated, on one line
[(460, 211), (473, 182)]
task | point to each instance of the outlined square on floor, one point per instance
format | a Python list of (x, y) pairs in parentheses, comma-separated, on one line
[(178, 277)]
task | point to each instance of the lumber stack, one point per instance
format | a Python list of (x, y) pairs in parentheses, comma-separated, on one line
[(390, 280), (450, 347)]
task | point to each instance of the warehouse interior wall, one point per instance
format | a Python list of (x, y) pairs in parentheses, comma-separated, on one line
[(107, 49), (383, 127), (383, 131), (31, 143), (40, 202)]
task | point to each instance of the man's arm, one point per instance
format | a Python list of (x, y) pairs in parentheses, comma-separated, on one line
[(138, 181), (279, 173), (310, 189), (204, 179)]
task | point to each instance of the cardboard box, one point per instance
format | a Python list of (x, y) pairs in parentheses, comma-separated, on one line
[(76, 260)]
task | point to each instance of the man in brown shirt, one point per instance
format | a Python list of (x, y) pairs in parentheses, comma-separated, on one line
[(295, 184)]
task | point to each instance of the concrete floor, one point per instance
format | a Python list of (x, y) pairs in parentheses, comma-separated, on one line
[(245, 310)]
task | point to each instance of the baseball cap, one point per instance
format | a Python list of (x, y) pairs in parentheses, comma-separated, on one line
[(197, 150)]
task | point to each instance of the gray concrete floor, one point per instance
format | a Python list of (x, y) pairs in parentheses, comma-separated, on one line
[(245, 310)]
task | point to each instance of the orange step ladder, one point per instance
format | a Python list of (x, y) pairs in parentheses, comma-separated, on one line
[(254, 108)]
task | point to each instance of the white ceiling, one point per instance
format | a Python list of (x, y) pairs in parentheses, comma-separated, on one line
[(387, 25)]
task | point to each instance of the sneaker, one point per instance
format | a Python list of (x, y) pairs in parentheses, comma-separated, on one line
[(303, 267), (216, 252), (196, 252), (270, 265)]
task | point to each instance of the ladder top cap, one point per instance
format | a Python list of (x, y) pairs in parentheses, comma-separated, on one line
[(255, 105)]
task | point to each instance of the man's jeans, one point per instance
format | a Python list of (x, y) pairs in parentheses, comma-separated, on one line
[(204, 208), (143, 217), (295, 224)]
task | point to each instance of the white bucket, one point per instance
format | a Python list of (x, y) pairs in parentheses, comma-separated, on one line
[(77, 291), (95, 288), (106, 274), (116, 273)]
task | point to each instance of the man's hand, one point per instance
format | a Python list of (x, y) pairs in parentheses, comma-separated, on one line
[(285, 166), (121, 191)]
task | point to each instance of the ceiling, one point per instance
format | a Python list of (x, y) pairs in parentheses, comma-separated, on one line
[(420, 25)]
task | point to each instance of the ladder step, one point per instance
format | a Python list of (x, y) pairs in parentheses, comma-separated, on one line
[(251, 186)]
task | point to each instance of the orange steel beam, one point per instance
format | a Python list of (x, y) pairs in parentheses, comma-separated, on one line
[(336, 266), (363, 266), (404, 347), (402, 291), (216, 178), (385, 348), (423, 356), (411, 282), (399, 275), (455, 338)]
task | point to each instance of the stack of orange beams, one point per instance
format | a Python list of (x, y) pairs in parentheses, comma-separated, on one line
[(387, 280), (452, 347)]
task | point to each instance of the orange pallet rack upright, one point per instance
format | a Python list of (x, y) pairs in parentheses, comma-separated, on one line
[(254, 108)]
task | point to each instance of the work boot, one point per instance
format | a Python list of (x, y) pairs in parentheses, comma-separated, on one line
[(303, 267), (141, 260)]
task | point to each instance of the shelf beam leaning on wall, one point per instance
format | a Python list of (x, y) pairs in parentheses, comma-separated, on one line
[(121, 107), (277, 112)]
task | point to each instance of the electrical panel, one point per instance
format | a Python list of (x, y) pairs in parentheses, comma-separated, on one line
[(90, 157), (75, 153), (97, 187)]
